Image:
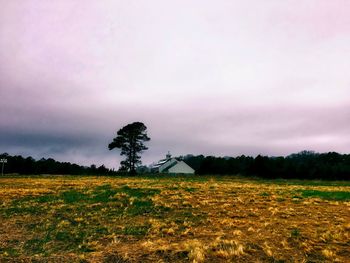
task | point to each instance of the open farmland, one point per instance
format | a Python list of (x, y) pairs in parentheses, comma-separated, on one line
[(172, 219)]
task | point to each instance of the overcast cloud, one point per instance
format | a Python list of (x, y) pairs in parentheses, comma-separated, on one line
[(206, 77)]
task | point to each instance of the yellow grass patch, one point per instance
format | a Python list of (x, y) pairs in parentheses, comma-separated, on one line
[(172, 219)]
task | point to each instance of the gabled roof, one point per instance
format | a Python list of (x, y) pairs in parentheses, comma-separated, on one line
[(171, 165), (165, 165), (160, 163), (163, 161)]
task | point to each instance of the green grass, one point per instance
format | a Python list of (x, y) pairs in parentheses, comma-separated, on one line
[(300, 182), (35, 246), (84, 213), (264, 194), (46, 199), (140, 230), (72, 196), (18, 210), (295, 233), (327, 195), (190, 189), (139, 192), (9, 251), (71, 218), (177, 178), (103, 194)]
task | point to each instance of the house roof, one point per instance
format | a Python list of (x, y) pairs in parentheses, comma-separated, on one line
[(164, 165), (161, 162), (171, 165)]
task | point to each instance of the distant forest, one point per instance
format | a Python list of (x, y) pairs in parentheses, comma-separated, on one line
[(20, 165), (303, 165)]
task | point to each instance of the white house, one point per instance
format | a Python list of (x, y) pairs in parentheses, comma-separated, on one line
[(172, 166)]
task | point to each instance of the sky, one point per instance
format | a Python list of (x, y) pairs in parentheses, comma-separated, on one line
[(221, 78)]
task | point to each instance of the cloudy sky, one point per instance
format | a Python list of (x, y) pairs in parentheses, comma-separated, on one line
[(206, 77)]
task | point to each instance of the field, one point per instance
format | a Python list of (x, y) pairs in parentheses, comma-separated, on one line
[(172, 219)]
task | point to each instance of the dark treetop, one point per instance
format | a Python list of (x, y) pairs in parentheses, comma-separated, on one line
[(130, 140)]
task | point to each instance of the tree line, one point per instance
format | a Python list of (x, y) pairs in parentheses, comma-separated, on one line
[(21, 165), (302, 165)]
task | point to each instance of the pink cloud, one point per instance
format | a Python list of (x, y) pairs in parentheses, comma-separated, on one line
[(317, 20), (224, 77)]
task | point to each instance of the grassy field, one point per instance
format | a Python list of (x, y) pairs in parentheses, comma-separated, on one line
[(172, 219)]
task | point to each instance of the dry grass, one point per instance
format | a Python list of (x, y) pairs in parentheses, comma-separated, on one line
[(172, 219)]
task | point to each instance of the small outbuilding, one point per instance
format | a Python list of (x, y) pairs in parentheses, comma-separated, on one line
[(172, 166)]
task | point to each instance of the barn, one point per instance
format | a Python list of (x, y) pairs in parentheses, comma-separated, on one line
[(172, 166)]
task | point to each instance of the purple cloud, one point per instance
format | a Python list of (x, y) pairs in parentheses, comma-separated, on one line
[(223, 78)]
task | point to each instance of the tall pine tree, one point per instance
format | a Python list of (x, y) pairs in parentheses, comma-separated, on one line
[(130, 140)]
